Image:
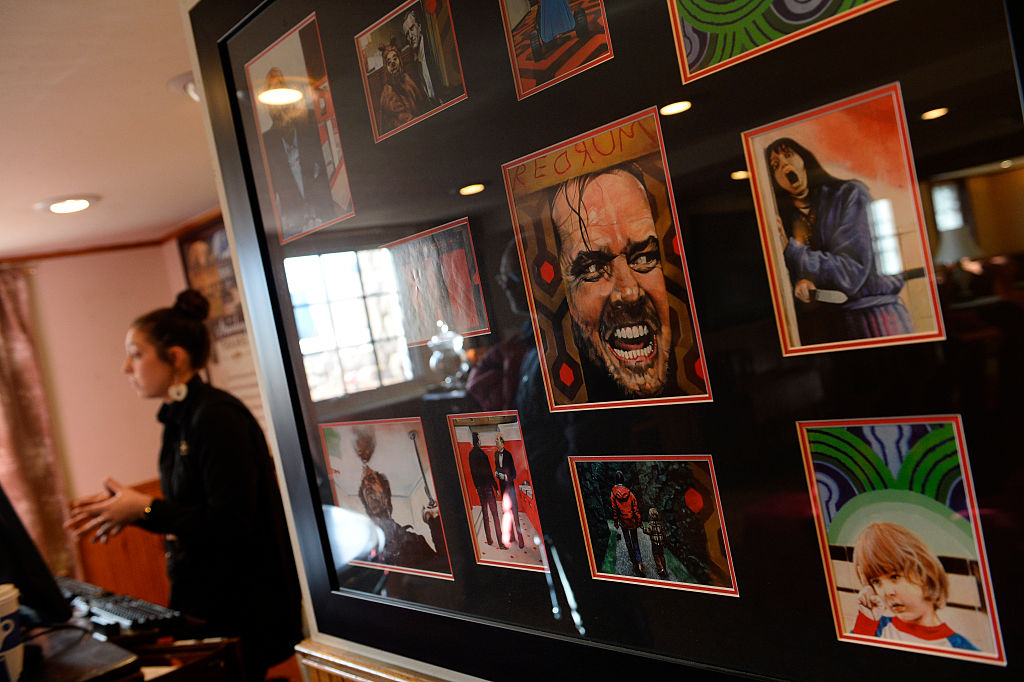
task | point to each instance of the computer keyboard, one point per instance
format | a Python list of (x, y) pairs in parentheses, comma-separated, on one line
[(131, 613), (105, 607), (71, 588)]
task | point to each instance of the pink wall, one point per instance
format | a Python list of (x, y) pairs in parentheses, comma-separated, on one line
[(82, 307)]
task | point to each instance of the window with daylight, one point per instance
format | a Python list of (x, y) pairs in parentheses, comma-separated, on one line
[(888, 260), (349, 322), (946, 203)]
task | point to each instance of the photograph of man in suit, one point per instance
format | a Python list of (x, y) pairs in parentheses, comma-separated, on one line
[(505, 472), (410, 65), (483, 480), (424, 58), (295, 161)]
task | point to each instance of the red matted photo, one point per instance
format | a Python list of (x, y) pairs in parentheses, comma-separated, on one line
[(844, 238), (497, 490), (299, 140), (439, 283), (713, 35), (410, 64), (600, 246), (654, 521), (385, 513), (551, 41), (899, 529)]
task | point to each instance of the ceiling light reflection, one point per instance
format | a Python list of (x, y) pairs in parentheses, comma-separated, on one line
[(933, 114), (279, 96), (69, 206), (675, 108), (739, 175), (471, 189)]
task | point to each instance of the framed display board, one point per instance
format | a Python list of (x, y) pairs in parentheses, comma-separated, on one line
[(557, 375), (206, 257)]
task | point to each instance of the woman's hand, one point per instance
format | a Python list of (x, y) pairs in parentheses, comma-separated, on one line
[(108, 512), (802, 290)]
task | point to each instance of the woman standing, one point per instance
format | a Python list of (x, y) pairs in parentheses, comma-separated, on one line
[(229, 559), (825, 224)]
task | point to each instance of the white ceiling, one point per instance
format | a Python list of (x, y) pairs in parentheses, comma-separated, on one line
[(85, 108)]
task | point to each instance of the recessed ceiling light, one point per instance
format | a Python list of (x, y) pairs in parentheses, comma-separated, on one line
[(675, 108), (739, 175), (69, 204), (933, 114), (1006, 164), (471, 189), (279, 96)]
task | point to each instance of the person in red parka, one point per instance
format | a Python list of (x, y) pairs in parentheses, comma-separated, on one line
[(626, 515)]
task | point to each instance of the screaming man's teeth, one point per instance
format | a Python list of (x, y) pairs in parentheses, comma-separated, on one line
[(634, 332), (633, 354)]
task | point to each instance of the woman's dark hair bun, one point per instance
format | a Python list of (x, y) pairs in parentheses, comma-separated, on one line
[(192, 304)]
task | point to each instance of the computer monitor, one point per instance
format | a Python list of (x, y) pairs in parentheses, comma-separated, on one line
[(22, 564)]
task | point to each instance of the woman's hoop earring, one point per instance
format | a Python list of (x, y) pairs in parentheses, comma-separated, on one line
[(178, 392)]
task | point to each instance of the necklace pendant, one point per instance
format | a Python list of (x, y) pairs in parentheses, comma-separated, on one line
[(183, 448)]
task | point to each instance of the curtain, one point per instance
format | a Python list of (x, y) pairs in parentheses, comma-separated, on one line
[(30, 472)]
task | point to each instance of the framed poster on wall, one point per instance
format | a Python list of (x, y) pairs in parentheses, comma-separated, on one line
[(206, 256), (712, 36), (496, 481), (439, 283), (599, 263), (681, 539), (410, 64), (300, 143), (636, 279), (547, 45), (842, 229), (900, 536)]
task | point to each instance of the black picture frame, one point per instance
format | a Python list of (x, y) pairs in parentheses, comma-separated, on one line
[(718, 637)]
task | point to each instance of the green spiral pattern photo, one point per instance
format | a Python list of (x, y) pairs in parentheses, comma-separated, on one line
[(712, 32)]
